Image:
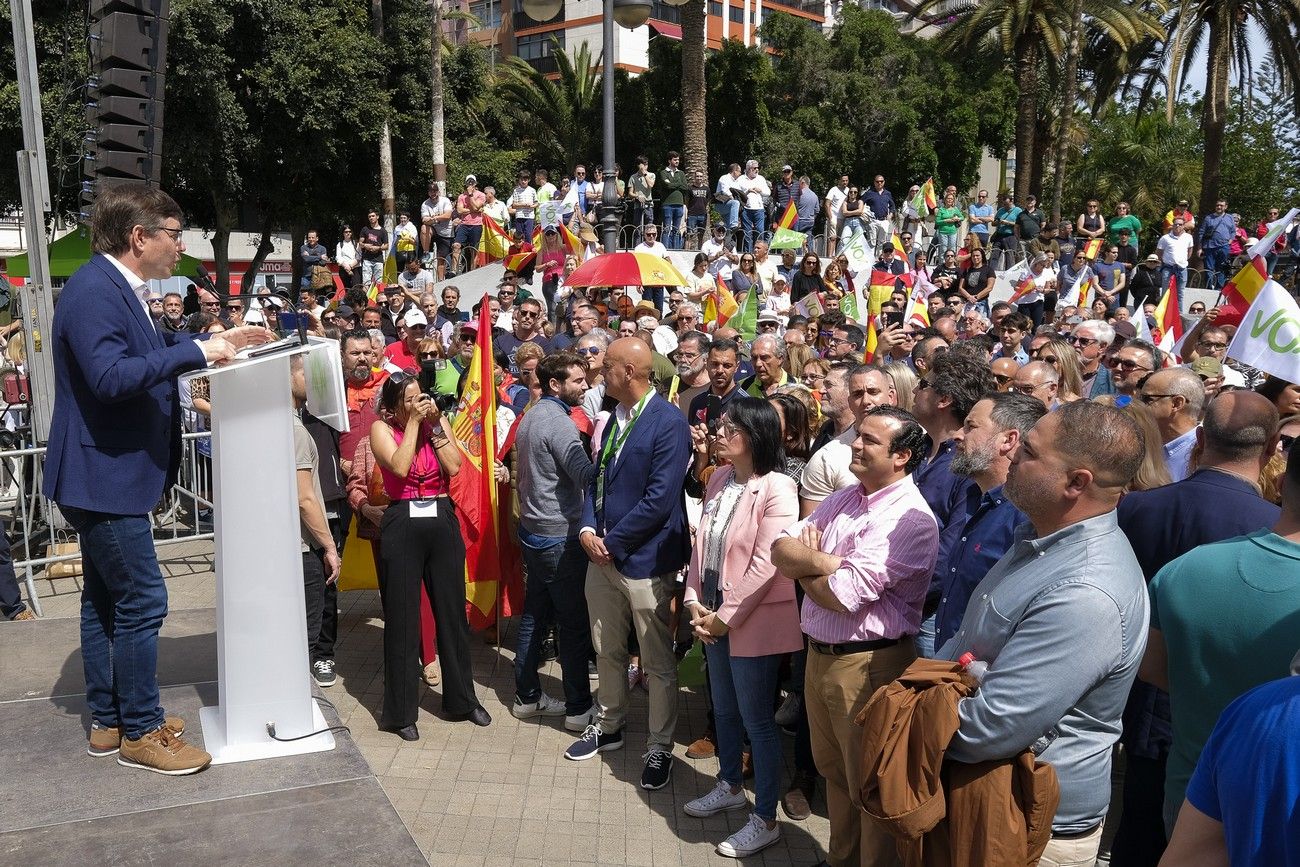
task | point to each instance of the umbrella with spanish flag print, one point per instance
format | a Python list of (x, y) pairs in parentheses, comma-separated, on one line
[(626, 269)]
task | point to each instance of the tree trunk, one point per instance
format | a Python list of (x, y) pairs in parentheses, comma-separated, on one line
[(435, 99), (389, 205), (694, 116), (264, 249), (1068, 89), (222, 221), (1026, 112), (297, 237), (1214, 111), (1042, 144)]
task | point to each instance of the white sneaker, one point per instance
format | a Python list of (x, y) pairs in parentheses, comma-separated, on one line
[(718, 800), (579, 722), (751, 839), (544, 706)]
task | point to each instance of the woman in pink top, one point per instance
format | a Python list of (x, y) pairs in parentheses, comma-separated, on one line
[(743, 612), (421, 545)]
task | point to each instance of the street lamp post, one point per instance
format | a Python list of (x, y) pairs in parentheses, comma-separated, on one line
[(626, 13)]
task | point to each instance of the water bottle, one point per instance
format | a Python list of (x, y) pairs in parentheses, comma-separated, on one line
[(976, 668)]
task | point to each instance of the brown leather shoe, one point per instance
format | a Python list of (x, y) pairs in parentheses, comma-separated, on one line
[(703, 747), (746, 765), (26, 614), (106, 741), (797, 802), (162, 752)]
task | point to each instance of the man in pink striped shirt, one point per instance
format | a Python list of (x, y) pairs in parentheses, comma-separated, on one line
[(864, 558)]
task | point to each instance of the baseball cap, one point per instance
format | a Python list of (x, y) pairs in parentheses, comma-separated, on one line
[(1207, 367), (778, 279), (1127, 330), (1153, 258), (786, 169), (345, 312), (470, 179), (414, 317), (769, 316), (254, 317)]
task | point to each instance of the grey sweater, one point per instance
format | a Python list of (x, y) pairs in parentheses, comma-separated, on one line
[(554, 471)]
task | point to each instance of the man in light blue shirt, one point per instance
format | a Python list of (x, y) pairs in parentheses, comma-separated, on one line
[(981, 218), (1060, 619), (1213, 239), (1175, 396)]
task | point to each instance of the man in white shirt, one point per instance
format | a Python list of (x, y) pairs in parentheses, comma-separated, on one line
[(721, 253), (753, 216), (495, 208), (849, 393), (1174, 248), (523, 206), (414, 280), (728, 203), (436, 215), (835, 197), (650, 244)]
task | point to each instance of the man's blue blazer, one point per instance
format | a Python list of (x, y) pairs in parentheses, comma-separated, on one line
[(115, 436)]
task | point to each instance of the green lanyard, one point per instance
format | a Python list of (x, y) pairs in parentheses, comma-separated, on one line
[(612, 445)]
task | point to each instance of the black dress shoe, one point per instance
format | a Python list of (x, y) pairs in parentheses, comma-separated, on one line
[(478, 716), (406, 733)]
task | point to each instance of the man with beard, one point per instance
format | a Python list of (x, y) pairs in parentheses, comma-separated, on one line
[(1060, 619), (690, 357), (361, 383), (173, 318), (551, 486), (984, 445)]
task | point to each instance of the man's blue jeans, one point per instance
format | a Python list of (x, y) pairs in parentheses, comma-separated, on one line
[(1216, 263), (1180, 278), (673, 215), (755, 223), (554, 592), (730, 211), (742, 689), (123, 604)]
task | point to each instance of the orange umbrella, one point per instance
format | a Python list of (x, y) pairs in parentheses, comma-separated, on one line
[(626, 269)]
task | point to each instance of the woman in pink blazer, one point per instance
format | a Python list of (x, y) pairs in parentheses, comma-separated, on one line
[(744, 613)]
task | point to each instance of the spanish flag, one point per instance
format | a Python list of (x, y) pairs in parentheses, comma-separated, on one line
[(473, 489), (788, 216), (927, 192), (1092, 249), (1169, 323), (495, 243), (1023, 288), (873, 340), (1240, 292), (883, 284), (724, 304)]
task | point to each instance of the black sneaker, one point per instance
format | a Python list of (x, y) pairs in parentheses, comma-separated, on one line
[(323, 671), (593, 741), (549, 649), (658, 769)]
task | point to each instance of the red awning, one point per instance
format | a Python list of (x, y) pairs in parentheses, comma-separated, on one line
[(663, 28)]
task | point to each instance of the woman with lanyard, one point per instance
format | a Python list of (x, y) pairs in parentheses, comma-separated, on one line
[(421, 545), (744, 613)]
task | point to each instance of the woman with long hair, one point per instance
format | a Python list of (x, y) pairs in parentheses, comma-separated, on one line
[(808, 279), (1284, 395), (743, 277), (1065, 359), (745, 615), (796, 356), (796, 428), (905, 382), (413, 447)]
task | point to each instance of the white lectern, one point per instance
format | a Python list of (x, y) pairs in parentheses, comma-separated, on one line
[(262, 667)]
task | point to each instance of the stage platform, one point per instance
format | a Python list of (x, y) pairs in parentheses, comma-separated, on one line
[(61, 806)]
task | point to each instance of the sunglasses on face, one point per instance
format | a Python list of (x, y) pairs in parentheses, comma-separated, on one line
[(468, 336), (1083, 341), (1214, 346), (1125, 364), (589, 350), (423, 355)]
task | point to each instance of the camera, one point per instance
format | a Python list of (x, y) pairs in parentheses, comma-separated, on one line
[(446, 403)]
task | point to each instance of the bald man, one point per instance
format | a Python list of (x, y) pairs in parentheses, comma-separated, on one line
[(1004, 372), (1038, 379), (1175, 397), (635, 533)]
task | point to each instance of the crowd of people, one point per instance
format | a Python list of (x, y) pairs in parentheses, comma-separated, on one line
[(1110, 533)]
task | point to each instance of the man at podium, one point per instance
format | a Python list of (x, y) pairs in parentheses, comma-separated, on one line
[(115, 446)]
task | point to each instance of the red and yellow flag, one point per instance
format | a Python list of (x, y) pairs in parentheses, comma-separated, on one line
[(788, 216), (724, 303), (572, 243), (927, 190), (1240, 292), (873, 341), (495, 243), (474, 489), (1023, 288), (1092, 249), (1169, 323)]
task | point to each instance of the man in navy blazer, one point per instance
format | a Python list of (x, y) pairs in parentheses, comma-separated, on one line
[(635, 533), (114, 448), (1220, 500)]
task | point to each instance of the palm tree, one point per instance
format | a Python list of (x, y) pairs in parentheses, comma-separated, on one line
[(694, 91), (1029, 33), (559, 117), (1224, 30)]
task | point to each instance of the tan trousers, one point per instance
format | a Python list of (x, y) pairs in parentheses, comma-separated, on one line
[(836, 688), (1074, 852), (615, 603)]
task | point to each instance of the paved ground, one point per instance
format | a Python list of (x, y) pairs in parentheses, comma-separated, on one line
[(504, 794)]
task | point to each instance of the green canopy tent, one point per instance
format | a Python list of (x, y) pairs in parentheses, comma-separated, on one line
[(70, 252)]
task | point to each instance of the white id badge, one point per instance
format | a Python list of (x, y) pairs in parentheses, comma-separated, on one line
[(423, 508)]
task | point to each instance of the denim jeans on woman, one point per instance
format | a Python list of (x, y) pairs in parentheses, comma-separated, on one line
[(742, 689)]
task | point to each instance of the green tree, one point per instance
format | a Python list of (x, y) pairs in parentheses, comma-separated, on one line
[(556, 119)]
